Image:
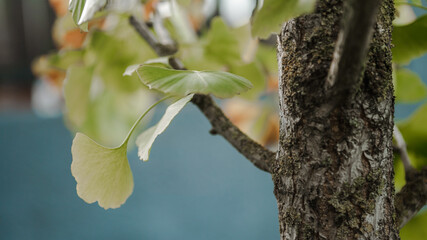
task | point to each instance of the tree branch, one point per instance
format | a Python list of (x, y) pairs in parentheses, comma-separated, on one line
[(352, 46), (143, 30), (412, 197), (254, 152), (401, 147)]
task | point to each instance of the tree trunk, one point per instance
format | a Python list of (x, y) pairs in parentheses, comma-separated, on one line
[(334, 173)]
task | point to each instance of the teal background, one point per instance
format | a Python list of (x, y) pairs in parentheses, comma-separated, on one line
[(195, 186)]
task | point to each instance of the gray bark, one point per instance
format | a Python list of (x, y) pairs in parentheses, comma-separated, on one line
[(334, 173)]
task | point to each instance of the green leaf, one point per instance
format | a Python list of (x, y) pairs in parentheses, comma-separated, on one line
[(410, 40), (253, 72), (184, 82), (274, 13), (103, 174), (415, 229), (221, 44), (147, 138), (112, 98), (268, 57), (76, 93), (218, 48), (399, 171), (111, 55), (110, 114), (157, 62), (408, 86), (414, 131), (83, 10), (64, 59)]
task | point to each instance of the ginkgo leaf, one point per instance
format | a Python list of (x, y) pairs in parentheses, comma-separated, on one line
[(410, 40), (159, 62), (221, 45), (409, 87), (131, 69), (184, 82), (102, 174), (146, 139), (274, 13), (83, 10), (76, 93), (254, 72)]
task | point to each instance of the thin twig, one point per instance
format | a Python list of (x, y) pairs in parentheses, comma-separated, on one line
[(254, 152), (401, 146), (144, 32)]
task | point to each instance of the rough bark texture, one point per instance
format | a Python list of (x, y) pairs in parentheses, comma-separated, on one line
[(334, 173)]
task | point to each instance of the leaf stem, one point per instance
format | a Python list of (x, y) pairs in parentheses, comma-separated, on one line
[(141, 117), (254, 152)]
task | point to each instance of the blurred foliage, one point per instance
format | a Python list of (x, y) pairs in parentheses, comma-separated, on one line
[(103, 104), (273, 14), (408, 86), (410, 39), (416, 228)]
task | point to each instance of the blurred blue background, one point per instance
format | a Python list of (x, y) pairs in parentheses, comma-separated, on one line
[(195, 186)]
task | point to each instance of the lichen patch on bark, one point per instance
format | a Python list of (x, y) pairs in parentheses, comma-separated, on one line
[(334, 175)]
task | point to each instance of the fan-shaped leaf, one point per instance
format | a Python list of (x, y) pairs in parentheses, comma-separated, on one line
[(102, 174), (221, 45), (408, 86), (184, 82)]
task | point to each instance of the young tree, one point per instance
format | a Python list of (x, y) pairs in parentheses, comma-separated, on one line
[(333, 170)]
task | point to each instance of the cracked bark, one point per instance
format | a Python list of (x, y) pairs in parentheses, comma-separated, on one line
[(334, 173)]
